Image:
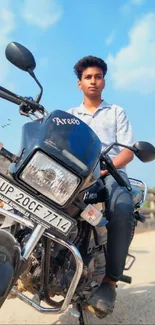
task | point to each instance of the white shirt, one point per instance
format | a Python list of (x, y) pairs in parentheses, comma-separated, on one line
[(110, 123)]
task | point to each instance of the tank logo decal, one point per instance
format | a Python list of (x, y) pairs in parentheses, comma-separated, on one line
[(63, 121)]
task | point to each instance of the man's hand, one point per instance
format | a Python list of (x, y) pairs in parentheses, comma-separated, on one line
[(1, 204), (103, 172), (121, 160)]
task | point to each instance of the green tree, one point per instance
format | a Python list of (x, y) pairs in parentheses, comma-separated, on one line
[(146, 204)]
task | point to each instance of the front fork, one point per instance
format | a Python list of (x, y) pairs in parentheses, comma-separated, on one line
[(20, 266), (13, 262), (60, 306)]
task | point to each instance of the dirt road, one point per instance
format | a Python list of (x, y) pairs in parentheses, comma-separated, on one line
[(135, 303)]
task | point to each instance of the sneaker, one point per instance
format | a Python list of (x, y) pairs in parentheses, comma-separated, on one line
[(103, 299)]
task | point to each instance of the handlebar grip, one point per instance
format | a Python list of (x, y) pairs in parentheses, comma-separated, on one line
[(10, 98), (113, 171), (13, 98), (120, 180), (7, 154)]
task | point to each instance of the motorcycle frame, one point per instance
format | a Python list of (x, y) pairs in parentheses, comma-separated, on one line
[(37, 233)]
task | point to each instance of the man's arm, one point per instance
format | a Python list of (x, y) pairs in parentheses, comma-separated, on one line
[(124, 135), (121, 160)]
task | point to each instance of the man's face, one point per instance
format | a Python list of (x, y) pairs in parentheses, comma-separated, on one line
[(92, 82)]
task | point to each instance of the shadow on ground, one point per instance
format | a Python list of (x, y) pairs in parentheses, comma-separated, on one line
[(135, 305)]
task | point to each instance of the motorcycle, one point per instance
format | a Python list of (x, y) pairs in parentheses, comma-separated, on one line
[(52, 236)]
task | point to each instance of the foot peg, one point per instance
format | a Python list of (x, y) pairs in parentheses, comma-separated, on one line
[(125, 278), (129, 264)]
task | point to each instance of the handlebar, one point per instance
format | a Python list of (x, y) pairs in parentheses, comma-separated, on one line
[(107, 162), (19, 100), (10, 98)]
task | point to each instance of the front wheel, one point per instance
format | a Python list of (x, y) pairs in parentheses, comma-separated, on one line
[(9, 262)]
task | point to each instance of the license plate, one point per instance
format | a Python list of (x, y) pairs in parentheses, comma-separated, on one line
[(28, 206)]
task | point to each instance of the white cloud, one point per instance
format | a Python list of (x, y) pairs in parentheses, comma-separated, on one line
[(42, 13), (133, 67), (127, 7), (7, 25), (110, 38)]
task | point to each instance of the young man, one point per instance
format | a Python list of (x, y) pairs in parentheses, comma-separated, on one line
[(111, 124)]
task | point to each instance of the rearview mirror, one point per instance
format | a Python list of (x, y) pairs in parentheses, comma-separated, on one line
[(20, 56), (145, 152)]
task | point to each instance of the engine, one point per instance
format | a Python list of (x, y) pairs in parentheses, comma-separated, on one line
[(61, 268)]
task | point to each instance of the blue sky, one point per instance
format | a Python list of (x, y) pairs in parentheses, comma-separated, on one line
[(60, 32)]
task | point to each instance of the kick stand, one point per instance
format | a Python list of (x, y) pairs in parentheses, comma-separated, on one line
[(81, 317)]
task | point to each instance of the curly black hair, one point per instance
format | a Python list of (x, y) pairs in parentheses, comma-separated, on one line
[(87, 62)]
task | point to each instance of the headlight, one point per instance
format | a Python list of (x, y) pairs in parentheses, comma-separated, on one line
[(49, 178)]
